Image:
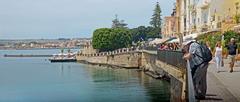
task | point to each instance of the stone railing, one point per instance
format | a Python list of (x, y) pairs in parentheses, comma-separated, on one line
[(175, 58), (115, 52)]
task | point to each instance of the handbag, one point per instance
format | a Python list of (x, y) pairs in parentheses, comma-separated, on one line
[(222, 63)]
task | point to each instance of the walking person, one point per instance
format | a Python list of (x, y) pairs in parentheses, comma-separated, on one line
[(232, 52), (199, 57), (218, 56)]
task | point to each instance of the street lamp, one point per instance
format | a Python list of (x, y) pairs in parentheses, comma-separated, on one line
[(237, 7)]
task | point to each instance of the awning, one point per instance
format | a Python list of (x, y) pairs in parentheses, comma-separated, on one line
[(236, 28), (191, 36), (158, 41), (170, 39), (186, 38)]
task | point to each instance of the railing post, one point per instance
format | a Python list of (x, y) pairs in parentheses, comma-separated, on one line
[(191, 92)]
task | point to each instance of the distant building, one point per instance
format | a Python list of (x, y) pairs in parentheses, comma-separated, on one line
[(88, 48), (171, 24), (195, 16), (169, 27)]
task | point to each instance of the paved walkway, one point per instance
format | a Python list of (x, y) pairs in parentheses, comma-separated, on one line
[(223, 86)]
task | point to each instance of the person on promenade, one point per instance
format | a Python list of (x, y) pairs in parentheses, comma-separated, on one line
[(165, 47), (193, 52), (232, 52), (218, 56)]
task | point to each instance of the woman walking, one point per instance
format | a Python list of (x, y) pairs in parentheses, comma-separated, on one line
[(218, 56)]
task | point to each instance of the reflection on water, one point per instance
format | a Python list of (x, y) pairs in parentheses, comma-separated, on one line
[(37, 80)]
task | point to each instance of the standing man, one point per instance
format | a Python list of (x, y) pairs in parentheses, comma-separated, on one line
[(232, 52), (194, 53)]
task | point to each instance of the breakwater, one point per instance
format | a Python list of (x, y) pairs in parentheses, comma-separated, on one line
[(21, 55)]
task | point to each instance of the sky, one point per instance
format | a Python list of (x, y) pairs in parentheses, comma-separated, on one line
[(50, 19)]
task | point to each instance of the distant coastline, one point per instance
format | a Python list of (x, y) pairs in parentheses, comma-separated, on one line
[(36, 48), (32, 44)]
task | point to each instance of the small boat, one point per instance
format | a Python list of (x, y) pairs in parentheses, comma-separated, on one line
[(63, 60), (63, 57)]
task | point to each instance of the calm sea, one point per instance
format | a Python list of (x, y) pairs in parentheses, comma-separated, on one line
[(38, 80)]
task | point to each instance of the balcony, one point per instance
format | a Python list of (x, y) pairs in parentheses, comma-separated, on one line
[(205, 5), (204, 28), (193, 29)]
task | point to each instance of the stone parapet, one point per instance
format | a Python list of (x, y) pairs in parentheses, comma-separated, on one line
[(126, 60)]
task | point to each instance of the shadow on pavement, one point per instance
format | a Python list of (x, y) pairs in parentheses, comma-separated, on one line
[(211, 95), (215, 99)]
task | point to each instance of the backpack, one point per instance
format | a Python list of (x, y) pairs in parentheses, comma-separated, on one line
[(206, 53)]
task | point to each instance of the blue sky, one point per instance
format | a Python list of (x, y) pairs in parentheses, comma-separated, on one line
[(35, 19)]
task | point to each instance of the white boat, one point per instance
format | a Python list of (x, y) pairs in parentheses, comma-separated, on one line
[(64, 57)]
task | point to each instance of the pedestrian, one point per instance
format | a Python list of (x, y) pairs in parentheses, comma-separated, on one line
[(195, 53), (165, 47), (232, 52), (218, 56)]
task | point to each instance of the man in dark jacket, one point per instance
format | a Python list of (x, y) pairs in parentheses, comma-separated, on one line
[(232, 52)]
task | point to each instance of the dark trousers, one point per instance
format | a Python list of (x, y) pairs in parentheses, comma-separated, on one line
[(200, 80)]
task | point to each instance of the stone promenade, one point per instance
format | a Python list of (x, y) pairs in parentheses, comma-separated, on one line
[(223, 86)]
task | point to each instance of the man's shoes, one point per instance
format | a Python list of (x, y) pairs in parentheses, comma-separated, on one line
[(231, 71)]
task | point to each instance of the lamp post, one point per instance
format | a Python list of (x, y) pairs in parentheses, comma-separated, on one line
[(237, 7)]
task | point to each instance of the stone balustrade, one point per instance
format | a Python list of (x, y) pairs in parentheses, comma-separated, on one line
[(115, 52)]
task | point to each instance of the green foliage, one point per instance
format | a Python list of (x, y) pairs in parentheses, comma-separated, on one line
[(153, 32), (156, 17), (237, 18), (212, 38), (142, 33), (156, 21), (108, 39), (139, 33), (231, 34)]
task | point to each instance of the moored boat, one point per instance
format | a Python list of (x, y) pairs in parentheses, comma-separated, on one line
[(64, 60), (64, 57)]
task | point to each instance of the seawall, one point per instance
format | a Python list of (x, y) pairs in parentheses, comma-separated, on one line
[(147, 62), (125, 60)]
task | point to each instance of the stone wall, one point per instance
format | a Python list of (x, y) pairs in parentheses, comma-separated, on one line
[(125, 60), (176, 90), (159, 69), (148, 63)]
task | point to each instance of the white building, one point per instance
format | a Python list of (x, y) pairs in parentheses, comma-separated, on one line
[(207, 15)]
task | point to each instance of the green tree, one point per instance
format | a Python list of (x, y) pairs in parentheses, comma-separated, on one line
[(231, 34), (156, 20), (152, 32), (101, 39), (139, 33), (121, 38), (212, 38), (116, 23), (107, 39), (142, 33)]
